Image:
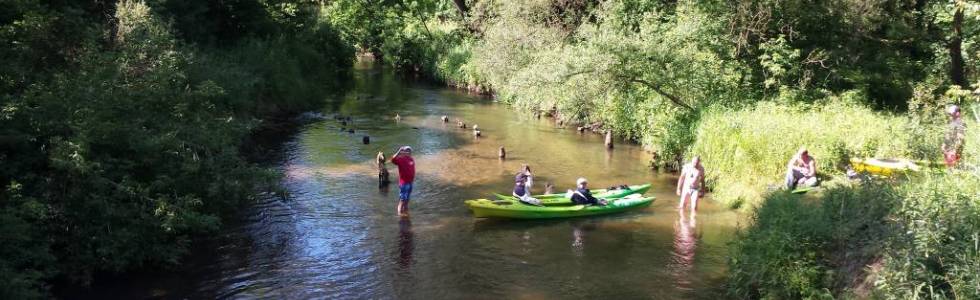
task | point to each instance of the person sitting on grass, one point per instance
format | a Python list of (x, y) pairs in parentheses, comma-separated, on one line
[(801, 171), (582, 195)]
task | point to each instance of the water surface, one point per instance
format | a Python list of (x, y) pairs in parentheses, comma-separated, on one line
[(336, 235)]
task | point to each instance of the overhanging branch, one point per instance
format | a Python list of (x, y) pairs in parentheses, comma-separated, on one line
[(653, 86), (657, 88)]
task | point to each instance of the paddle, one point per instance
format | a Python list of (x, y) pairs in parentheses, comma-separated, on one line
[(531, 203), (802, 190)]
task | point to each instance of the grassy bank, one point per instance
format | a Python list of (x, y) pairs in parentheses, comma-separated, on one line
[(744, 84), (686, 78), (121, 125), (746, 150), (916, 240)]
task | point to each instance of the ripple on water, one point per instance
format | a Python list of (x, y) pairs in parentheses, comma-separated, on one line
[(335, 235)]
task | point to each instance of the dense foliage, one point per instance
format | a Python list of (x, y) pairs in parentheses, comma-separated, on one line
[(744, 84), (918, 240), (650, 70), (121, 121), (121, 124), (803, 249)]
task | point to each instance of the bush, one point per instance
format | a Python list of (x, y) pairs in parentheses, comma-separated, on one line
[(118, 157), (911, 241), (935, 253), (796, 248)]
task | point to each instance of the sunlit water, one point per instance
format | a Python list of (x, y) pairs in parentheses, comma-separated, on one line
[(336, 235)]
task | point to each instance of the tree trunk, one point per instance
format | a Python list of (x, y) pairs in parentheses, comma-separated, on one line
[(956, 50), (461, 6)]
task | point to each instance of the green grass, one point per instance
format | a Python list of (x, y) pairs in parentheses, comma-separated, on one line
[(915, 239), (745, 151)]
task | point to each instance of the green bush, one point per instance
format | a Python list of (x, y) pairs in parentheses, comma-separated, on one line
[(914, 240), (124, 144), (935, 252), (796, 248)]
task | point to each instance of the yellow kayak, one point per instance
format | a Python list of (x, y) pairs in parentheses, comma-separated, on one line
[(884, 166)]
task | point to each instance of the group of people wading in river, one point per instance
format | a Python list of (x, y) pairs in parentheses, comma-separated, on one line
[(801, 172)]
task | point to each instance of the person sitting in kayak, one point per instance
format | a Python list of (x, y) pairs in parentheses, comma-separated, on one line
[(801, 170), (582, 195), (522, 186)]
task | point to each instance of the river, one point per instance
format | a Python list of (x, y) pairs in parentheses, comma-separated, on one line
[(336, 234)]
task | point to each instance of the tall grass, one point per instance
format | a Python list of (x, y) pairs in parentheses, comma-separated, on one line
[(936, 251), (806, 249), (745, 151), (915, 240)]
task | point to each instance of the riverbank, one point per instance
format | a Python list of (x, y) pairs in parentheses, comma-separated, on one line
[(744, 86), (679, 88), (125, 127), (917, 239)]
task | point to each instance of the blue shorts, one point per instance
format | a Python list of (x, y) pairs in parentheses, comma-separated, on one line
[(405, 192)]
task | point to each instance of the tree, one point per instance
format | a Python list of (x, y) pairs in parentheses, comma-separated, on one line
[(955, 48), (461, 7)]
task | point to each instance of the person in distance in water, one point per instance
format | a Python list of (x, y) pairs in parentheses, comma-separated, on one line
[(690, 186), (406, 177)]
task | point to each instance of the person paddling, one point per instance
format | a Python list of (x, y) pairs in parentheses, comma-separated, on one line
[(406, 176), (690, 186), (522, 186), (582, 195)]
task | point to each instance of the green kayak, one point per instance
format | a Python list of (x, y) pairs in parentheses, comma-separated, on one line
[(485, 208), (560, 199)]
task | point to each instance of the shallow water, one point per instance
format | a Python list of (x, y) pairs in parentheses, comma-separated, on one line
[(336, 235)]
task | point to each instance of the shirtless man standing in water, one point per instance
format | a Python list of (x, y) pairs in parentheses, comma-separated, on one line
[(691, 184)]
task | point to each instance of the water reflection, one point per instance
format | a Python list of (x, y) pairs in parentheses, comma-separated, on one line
[(335, 237), (685, 246), (580, 229), (406, 243), (578, 241)]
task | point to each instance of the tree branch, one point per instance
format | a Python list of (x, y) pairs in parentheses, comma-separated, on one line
[(659, 89), (653, 86)]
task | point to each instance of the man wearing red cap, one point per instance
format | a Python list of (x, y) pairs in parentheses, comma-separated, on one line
[(406, 176)]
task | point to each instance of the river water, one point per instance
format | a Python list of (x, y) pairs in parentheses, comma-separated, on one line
[(336, 235)]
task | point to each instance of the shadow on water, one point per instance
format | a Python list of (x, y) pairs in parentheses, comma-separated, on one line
[(337, 236)]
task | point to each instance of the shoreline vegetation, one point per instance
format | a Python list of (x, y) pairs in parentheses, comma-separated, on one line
[(125, 126), (744, 84), (122, 123)]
